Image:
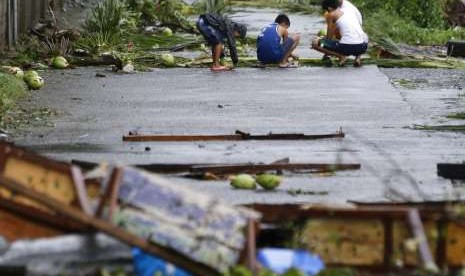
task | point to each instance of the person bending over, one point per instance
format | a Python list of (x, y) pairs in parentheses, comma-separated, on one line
[(217, 30)]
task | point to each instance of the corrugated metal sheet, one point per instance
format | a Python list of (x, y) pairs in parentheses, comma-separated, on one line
[(14, 22)]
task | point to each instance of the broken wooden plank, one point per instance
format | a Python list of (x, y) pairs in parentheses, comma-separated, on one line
[(239, 136), (261, 168), (451, 171), (165, 253), (223, 169)]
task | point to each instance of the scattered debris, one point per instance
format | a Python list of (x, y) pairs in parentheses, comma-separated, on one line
[(297, 192), (51, 198), (199, 169), (238, 136), (451, 171), (456, 48)]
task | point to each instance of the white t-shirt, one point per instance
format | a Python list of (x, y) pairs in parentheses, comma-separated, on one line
[(350, 29), (349, 7)]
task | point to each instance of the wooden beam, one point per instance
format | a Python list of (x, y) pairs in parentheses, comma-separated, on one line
[(239, 136), (165, 253), (220, 169)]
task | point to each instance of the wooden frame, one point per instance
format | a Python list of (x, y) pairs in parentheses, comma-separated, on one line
[(40, 174), (419, 222)]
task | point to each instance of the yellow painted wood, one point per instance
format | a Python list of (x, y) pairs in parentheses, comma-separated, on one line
[(57, 185), (403, 252), (345, 242), (455, 245)]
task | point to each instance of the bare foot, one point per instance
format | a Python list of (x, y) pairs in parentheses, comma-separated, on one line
[(342, 61), (220, 68), (358, 61)]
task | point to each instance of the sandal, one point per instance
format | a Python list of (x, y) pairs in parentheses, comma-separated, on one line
[(288, 65), (220, 69), (357, 63), (342, 62)]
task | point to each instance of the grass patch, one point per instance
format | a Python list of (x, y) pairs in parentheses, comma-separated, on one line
[(11, 89), (459, 115)]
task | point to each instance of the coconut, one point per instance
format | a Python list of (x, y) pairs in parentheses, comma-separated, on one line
[(59, 62), (167, 32), (168, 60), (30, 75), (17, 72), (35, 83), (268, 181), (243, 181), (321, 33)]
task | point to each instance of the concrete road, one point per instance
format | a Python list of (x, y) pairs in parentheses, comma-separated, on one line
[(374, 116)]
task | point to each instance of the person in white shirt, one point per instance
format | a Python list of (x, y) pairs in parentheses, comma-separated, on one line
[(353, 40), (347, 6)]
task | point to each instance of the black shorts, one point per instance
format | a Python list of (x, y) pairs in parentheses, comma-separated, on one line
[(344, 49), (211, 35)]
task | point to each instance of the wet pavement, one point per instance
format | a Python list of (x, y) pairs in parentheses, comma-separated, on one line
[(374, 115)]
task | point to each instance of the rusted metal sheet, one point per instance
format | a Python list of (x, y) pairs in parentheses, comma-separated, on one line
[(238, 136), (3, 24), (376, 237)]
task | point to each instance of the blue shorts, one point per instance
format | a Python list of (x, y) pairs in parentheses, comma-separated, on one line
[(275, 57), (344, 49), (211, 35)]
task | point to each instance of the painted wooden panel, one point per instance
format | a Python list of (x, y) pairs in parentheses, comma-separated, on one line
[(192, 223), (57, 185), (404, 252), (455, 245), (339, 241)]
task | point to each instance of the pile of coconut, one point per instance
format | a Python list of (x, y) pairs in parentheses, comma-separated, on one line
[(31, 77)]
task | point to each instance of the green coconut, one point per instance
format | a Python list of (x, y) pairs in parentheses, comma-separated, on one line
[(35, 83), (59, 62), (321, 33), (30, 75), (168, 60), (268, 181), (167, 32), (244, 181)]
